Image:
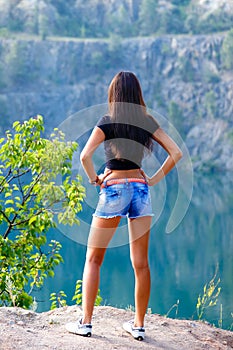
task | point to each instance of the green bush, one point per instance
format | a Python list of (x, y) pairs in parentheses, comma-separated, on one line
[(59, 299), (31, 199)]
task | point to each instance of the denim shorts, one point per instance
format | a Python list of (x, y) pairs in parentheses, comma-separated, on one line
[(131, 199)]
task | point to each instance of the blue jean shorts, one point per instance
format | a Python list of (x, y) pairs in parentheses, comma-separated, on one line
[(131, 199)]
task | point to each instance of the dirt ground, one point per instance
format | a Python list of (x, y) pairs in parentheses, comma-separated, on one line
[(21, 330)]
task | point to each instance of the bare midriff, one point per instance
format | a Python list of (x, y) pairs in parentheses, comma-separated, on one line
[(124, 174)]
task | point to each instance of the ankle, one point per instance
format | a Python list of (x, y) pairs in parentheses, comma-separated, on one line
[(138, 323), (86, 320)]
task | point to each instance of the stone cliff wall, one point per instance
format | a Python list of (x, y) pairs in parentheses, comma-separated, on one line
[(182, 78)]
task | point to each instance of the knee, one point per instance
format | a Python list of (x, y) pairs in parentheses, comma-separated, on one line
[(140, 265), (94, 258)]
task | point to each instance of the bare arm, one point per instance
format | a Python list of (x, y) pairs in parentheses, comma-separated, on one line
[(174, 155), (96, 138)]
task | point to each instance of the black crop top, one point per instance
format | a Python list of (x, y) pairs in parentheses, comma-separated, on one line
[(125, 144)]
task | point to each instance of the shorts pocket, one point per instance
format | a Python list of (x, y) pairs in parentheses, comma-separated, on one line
[(144, 195), (111, 197)]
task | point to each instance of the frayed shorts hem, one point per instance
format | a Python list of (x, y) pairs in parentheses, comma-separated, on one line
[(119, 215), (130, 200)]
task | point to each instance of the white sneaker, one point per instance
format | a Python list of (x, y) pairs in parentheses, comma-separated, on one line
[(79, 328), (137, 332)]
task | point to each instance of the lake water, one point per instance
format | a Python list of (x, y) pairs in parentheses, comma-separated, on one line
[(181, 262)]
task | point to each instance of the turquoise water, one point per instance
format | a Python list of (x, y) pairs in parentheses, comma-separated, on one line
[(181, 262)]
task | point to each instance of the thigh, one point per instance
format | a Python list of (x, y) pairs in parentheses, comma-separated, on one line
[(102, 231), (139, 233)]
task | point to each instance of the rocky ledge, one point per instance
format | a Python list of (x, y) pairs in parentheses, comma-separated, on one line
[(22, 329)]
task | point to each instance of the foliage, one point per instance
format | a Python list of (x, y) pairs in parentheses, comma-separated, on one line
[(36, 189), (227, 51), (172, 21), (120, 22), (197, 22), (176, 307), (96, 18), (59, 299), (209, 297), (220, 321), (78, 294), (147, 15)]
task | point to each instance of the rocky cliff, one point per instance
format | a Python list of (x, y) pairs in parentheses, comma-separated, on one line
[(23, 329), (182, 77)]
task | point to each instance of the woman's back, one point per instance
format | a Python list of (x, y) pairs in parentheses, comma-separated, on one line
[(127, 138)]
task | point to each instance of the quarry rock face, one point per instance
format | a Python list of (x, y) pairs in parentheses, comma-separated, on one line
[(182, 75)]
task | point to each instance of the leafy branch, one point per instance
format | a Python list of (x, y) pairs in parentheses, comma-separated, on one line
[(31, 198), (59, 299)]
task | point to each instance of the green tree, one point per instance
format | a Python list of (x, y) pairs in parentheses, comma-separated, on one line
[(227, 51), (148, 17), (173, 21), (36, 188), (120, 22)]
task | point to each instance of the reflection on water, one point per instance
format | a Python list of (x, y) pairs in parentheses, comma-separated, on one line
[(181, 262)]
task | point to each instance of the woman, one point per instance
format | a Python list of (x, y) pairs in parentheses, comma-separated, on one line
[(128, 133)]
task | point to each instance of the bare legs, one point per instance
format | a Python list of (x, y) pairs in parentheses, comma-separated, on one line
[(139, 230), (91, 276), (101, 233)]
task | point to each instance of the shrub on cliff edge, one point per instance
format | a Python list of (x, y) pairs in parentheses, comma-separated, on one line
[(35, 188)]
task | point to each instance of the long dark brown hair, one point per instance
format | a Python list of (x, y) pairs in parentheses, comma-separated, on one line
[(126, 106), (125, 87)]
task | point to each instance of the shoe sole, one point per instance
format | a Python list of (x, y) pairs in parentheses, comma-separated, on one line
[(138, 337), (83, 334), (135, 335)]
